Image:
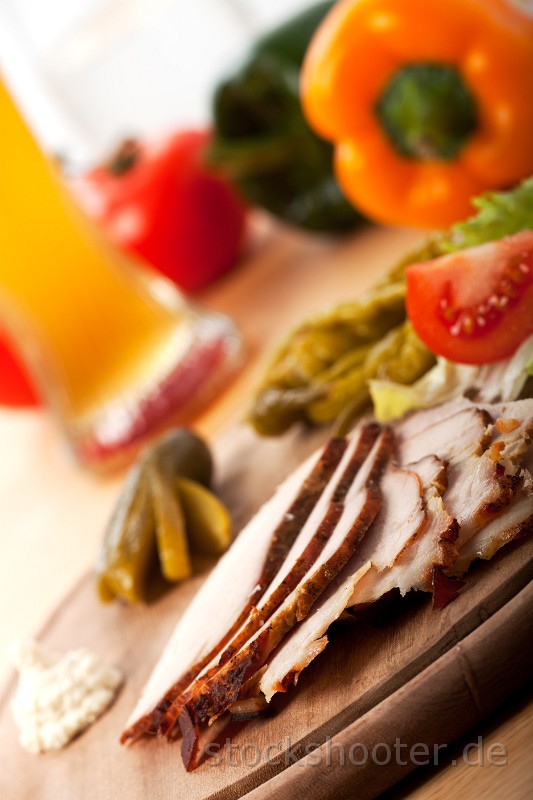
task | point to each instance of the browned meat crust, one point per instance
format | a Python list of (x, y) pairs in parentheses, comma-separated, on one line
[(282, 540), (223, 688)]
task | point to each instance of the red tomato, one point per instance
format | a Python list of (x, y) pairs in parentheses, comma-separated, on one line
[(16, 388), (159, 200), (475, 306)]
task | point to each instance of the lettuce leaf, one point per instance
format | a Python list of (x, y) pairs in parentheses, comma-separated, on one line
[(443, 382), (502, 380), (499, 214)]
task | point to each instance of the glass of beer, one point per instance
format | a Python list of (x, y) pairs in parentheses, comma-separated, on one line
[(115, 350)]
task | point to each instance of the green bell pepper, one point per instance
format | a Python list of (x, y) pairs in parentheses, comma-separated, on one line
[(262, 140)]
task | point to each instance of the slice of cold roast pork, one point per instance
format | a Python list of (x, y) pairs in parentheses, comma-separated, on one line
[(513, 522), (403, 515), (384, 561), (483, 455)]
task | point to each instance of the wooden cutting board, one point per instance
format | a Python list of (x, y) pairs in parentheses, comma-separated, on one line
[(372, 677)]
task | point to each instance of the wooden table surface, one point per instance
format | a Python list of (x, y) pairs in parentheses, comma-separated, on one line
[(53, 513)]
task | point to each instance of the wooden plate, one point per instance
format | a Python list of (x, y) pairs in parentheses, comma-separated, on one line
[(365, 666)]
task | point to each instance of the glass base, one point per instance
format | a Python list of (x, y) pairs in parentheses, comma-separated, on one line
[(172, 389)]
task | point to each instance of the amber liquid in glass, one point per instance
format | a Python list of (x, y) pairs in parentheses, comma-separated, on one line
[(115, 350)]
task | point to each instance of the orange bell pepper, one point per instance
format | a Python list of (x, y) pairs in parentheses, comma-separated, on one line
[(427, 103)]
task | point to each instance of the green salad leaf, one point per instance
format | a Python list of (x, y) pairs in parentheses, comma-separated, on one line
[(443, 382), (501, 380), (499, 214)]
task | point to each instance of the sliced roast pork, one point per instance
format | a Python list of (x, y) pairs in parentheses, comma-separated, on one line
[(389, 558), (402, 516), (453, 438), (306, 548), (479, 488), (313, 536), (308, 639), (483, 460), (482, 477), (241, 576), (432, 547), (361, 507), (509, 515), (513, 522), (420, 420), (359, 526)]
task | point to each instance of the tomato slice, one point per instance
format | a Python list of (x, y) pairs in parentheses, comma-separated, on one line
[(475, 306)]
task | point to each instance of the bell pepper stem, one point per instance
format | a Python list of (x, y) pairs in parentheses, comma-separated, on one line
[(427, 111)]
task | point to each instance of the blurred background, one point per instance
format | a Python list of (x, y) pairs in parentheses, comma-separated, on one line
[(88, 72)]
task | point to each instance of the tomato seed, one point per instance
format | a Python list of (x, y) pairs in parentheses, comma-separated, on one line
[(470, 320)]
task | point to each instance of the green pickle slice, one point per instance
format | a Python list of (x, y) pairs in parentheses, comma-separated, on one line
[(171, 535), (129, 550), (207, 519)]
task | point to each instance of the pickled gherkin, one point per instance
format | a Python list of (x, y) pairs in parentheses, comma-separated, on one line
[(208, 522), (171, 536), (129, 552), (182, 452), (165, 511)]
